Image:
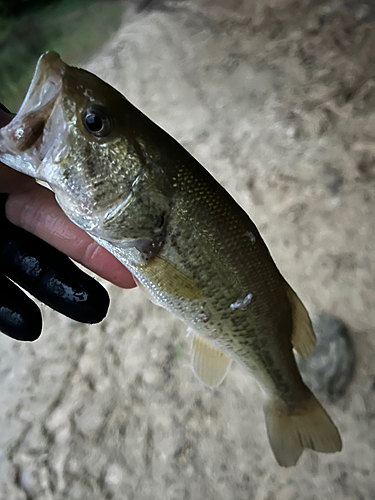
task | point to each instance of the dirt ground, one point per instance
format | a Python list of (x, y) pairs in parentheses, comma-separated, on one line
[(277, 99)]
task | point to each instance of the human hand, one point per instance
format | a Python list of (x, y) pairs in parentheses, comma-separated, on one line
[(29, 214)]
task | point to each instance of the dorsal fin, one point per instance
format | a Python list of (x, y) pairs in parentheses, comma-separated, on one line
[(209, 364), (303, 336)]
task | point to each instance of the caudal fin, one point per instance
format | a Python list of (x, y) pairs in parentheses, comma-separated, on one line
[(308, 426)]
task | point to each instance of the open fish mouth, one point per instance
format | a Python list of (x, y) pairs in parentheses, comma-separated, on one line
[(23, 143)]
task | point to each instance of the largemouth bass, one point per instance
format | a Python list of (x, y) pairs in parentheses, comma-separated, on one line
[(144, 198)]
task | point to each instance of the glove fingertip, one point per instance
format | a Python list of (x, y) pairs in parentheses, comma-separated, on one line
[(97, 305), (22, 326)]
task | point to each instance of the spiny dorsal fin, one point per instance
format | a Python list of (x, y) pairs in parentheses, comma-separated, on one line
[(303, 336), (209, 364)]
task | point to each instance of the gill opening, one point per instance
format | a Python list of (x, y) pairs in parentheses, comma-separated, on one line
[(119, 207)]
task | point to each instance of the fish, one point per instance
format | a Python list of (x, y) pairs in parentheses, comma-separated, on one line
[(189, 245)]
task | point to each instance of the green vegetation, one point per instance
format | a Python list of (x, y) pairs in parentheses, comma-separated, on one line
[(73, 28)]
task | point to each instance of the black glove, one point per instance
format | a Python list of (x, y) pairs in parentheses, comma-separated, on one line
[(48, 275)]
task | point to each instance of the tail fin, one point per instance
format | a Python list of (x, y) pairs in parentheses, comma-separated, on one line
[(308, 426)]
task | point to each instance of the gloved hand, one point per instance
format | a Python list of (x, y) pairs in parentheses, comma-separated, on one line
[(42, 270), (48, 275)]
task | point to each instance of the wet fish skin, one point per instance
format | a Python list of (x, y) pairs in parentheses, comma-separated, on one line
[(144, 198)]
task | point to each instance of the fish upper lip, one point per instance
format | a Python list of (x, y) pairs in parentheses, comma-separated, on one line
[(46, 83)]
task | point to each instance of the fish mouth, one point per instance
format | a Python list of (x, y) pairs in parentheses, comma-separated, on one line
[(22, 144)]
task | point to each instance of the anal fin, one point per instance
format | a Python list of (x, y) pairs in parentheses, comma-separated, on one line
[(209, 364), (303, 336)]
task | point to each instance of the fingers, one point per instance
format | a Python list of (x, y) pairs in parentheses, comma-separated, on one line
[(12, 181), (20, 318), (50, 276), (36, 211)]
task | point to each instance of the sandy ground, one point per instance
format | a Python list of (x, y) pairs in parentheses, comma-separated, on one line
[(277, 99)]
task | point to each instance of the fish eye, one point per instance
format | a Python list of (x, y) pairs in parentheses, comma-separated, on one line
[(96, 122)]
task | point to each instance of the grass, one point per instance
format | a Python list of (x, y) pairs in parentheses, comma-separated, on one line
[(73, 28)]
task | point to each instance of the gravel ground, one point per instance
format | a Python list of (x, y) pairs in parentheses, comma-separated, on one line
[(277, 99)]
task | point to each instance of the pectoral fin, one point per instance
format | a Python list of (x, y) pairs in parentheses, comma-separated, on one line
[(303, 336), (170, 279), (209, 364)]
